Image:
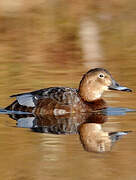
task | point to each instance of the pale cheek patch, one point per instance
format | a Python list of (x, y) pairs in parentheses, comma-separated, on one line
[(108, 82)]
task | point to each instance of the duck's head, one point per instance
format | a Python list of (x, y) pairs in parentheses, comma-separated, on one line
[(95, 82)]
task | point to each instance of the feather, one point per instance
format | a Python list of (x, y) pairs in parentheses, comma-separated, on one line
[(26, 100)]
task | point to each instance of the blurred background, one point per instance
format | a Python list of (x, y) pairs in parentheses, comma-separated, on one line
[(47, 43)]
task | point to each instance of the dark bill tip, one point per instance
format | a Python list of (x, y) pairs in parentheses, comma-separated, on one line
[(127, 90)]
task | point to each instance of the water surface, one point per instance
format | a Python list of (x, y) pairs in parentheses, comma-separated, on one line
[(52, 44)]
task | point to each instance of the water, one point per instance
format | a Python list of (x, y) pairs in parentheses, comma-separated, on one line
[(45, 44)]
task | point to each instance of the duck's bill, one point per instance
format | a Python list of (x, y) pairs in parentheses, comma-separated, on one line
[(120, 88), (116, 86)]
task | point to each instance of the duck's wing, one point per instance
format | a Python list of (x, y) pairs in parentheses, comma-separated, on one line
[(60, 94), (26, 99)]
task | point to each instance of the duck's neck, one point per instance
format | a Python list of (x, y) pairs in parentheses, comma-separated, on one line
[(91, 96), (88, 92), (96, 105)]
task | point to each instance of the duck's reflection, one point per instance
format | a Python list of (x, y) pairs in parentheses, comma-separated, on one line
[(88, 126), (93, 138)]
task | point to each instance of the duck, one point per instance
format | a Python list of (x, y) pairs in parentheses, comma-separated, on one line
[(61, 100)]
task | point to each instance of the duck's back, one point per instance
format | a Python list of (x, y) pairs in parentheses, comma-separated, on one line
[(49, 97)]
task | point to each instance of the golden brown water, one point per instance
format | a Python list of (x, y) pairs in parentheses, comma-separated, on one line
[(52, 43)]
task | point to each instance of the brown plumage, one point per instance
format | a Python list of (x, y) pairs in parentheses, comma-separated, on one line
[(62, 100)]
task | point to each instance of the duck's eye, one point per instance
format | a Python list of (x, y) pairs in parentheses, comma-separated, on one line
[(101, 75)]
